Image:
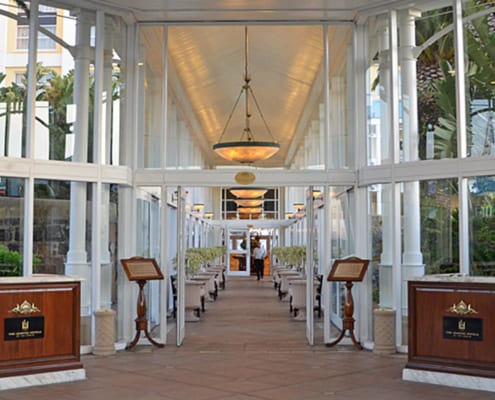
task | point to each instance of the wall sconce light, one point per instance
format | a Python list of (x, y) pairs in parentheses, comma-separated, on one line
[(198, 207), (289, 215), (298, 206), (316, 194), (208, 215)]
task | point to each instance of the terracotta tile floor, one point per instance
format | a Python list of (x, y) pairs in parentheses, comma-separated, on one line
[(244, 347)]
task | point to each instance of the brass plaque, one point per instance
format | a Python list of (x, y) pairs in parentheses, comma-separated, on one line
[(463, 328), (24, 328)]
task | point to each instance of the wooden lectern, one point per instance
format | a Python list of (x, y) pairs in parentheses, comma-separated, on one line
[(348, 270), (141, 270)]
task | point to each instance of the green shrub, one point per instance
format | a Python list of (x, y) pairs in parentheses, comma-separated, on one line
[(11, 262)]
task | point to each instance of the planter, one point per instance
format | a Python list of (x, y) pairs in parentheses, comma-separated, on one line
[(105, 332), (384, 330)]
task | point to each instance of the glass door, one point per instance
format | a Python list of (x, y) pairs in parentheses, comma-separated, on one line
[(239, 253)]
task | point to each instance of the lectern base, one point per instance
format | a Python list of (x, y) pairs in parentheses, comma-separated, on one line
[(46, 378)]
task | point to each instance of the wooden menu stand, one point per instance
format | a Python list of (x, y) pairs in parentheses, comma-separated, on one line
[(348, 270), (141, 270)]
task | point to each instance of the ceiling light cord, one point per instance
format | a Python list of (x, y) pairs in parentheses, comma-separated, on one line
[(247, 150), (246, 89)]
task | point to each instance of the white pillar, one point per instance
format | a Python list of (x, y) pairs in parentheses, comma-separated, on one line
[(412, 258), (105, 259), (384, 90), (385, 269), (77, 263), (30, 140)]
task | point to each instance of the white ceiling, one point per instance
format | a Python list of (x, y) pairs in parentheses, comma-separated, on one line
[(283, 64), (206, 50)]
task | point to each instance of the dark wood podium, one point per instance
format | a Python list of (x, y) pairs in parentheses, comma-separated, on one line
[(452, 325), (39, 324)]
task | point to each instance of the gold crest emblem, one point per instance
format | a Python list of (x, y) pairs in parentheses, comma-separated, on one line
[(462, 308), (25, 308)]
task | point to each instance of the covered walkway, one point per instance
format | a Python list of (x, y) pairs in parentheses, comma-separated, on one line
[(245, 347)]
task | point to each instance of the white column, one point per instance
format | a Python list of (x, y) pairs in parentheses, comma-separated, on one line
[(105, 258), (412, 258), (30, 140), (385, 268), (461, 115), (384, 90), (98, 140), (77, 263)]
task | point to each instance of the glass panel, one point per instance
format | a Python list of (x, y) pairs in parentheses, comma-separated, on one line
[(436, 85), (482, 225), (340, 45), (12, 86), (378, 93), (342, 244), (55, 109), (110, 119), (11, 228), (51, 225), (479, 42), (381, 265), (439, 225), (115, 84), (311, 154), (382, 244), (376, 218), (150, 73), (148, 219), (109, 249)]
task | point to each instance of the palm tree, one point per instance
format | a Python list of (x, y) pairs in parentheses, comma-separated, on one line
[(436, 82)]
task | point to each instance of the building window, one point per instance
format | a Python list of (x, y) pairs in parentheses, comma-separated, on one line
[(19, 78), (47, 20)]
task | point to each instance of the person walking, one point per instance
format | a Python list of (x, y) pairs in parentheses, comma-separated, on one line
[(259, 260)]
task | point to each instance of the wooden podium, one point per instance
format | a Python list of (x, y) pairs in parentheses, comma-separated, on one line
[(40, 324), (348, 270), (452, 325), (141, 270)]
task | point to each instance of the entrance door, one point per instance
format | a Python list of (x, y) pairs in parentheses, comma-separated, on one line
[(239, 253)]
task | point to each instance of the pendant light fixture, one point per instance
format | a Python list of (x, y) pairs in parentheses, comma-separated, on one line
[(248, 193), (247, 150)]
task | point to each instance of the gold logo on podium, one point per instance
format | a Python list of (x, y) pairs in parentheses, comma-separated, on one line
[(462, 308), (461, 325), (25, 325), (25, 308)]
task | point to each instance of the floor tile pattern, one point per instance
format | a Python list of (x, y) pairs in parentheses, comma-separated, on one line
[(246, 347)]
